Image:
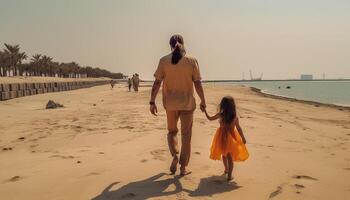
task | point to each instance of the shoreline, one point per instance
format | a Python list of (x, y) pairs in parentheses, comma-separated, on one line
[(308, 102)]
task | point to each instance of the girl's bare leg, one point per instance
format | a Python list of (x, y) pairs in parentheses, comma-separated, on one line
[(230, 167), (224, 160)]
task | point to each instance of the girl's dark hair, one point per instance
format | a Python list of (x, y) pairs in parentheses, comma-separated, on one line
[(227, 110), (177, 43)]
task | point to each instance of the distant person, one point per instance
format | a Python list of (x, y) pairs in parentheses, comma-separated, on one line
[(136, 82), (112, 82), (178, 73), (129, 84), (229, 141)]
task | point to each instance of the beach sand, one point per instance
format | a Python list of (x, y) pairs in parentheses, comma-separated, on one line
[(104, 144)]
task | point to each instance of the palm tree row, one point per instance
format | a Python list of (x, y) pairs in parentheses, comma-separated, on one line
[(11, 59)]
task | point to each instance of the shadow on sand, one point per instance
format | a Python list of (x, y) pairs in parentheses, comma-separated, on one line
[(213, 185), (144, 189), (152, 187)]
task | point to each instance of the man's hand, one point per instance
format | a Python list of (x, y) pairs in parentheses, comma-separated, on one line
[(200, 92), (155, 88), (203, 106), (153, 109)]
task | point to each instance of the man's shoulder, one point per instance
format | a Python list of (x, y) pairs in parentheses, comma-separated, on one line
[(165, 58), (191, 59)]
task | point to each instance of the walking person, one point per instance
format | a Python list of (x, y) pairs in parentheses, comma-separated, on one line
[(136, 82), (179, 74), (229, 140), (129, 84), (112, 82)]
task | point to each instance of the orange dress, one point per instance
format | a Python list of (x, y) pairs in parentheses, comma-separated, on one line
[(234, 146)]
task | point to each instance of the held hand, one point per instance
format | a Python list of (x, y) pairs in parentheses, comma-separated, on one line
[(153, 109), (203, 106)]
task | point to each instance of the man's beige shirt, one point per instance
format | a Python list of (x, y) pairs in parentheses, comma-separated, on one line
[(178, 82)]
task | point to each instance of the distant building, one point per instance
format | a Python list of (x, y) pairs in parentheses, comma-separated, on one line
[(306, 77)]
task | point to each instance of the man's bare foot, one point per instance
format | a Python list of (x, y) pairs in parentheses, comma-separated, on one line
[(184, 171), (226, 171), (173, 165)]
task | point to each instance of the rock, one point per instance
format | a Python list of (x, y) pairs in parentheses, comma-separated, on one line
[(52, 105), (288, 87)]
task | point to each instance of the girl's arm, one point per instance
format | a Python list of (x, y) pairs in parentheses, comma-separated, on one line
[(240, 131), (211, 118)]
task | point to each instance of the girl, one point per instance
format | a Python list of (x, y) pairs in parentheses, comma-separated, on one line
[(229, 141)]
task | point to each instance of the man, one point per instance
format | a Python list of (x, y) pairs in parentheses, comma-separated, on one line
[(178, 73)]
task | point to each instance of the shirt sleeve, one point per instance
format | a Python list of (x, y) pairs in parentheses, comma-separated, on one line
[(159, 74), (196, 73)]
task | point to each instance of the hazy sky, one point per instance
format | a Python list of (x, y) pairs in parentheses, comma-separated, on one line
[(281, 38)]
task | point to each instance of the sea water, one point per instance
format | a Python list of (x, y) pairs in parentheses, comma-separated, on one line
[(332, 92)]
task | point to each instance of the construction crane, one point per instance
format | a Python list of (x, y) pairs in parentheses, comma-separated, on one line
[(255, 79)]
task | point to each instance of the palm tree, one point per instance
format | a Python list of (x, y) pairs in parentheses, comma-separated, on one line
[(15, 57), (35, 64), (2, 63), (41, 65), (46, 63)]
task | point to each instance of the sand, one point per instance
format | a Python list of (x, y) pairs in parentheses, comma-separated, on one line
[(104, 144)]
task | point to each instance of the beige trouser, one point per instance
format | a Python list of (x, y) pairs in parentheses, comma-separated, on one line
[(186, 119)]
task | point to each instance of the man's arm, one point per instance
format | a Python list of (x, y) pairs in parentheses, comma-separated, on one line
[(155, 90), (199, 89)]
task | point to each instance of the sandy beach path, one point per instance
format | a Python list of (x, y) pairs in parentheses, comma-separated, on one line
[(104, 144)]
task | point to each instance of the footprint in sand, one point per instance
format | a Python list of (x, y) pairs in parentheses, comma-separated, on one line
[(276, 192), (158, 154), (15, 178), (298, 187), (63, 157), (305, 177), (348, 168), (126, 127), (144, 160), (197, 153), (75, 119), (93, 174), (7, 148)]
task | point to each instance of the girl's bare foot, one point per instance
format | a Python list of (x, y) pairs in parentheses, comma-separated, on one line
[(173, 165), (229, 177)]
